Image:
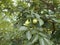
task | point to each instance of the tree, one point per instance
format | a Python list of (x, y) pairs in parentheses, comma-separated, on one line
[(29, 22)]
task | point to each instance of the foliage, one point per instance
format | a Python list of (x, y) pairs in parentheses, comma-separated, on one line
[(29, 22)]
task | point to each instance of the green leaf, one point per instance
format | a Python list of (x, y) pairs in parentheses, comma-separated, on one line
[(41, 41), (35, 39), (41, 22), (45, 41), (37, 15), (48, 41), (42, 34), (22, 28), (56, 20), (28, 35)]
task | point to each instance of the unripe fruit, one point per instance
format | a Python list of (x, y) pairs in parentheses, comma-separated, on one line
[(27, 22), (35, 21)]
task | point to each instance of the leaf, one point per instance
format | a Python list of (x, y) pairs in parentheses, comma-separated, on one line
[(41, 22), (41, 41), (22, 28), (56, 20), (48, 41), (43, 35), (45, 41), (29, 43), (35, 39), (37, 15), (28, 35)]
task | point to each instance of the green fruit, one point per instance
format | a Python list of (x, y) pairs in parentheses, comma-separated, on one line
[(27, 22), (35, 21)]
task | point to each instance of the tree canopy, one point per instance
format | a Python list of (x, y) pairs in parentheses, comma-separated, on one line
[(29, 22)]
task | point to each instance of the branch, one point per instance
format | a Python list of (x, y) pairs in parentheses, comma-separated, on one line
[(53, 23)]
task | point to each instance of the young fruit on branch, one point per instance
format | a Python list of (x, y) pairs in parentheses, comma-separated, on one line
[(35, 21), (27, 22)]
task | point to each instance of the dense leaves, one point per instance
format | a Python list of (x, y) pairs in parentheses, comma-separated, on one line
[(29, 22)]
